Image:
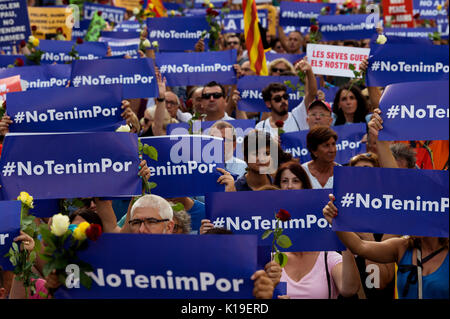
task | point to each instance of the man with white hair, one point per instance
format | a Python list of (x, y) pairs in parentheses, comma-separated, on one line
[(150, 214)]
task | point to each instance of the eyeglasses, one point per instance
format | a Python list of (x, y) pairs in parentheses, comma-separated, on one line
[(279, 97), (207, 96), (276, 70), (146, 120), (174, 103), (148, 222)]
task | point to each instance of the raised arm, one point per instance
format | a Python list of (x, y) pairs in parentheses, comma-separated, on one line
[(310, 80), (385, 156), (160, 111)]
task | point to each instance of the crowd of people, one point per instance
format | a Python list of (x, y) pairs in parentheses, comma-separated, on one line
[(266, 166)]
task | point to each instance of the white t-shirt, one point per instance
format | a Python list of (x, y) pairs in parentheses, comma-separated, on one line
[(296, 121), (314, 182)]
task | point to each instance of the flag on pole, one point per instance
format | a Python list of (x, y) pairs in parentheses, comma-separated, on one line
[(253, 39), (157, 7)]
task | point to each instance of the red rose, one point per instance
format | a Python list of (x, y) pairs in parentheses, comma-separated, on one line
[(59, 30), (23, 43), (141, 2), (93, 232), (314, 28), (33, 28), (417, 16), (99, 13), (215, 13), (283, 215), (327, 9), (209, 11), (189, 104), (279, 123), (18, 62), (79, 40)]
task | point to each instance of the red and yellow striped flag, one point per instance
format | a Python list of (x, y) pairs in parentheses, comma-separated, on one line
[(157, 7), (253, 40)]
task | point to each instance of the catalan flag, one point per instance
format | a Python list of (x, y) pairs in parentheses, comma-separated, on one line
[(253, 39), (157, 7)]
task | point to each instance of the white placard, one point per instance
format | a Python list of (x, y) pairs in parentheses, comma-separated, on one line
[(335, 60)]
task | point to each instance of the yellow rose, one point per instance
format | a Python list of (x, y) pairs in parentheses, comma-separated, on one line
[(439, 7), (155, 44), (123, 128), (80, 232), (381, 39), (60, 224), (151, 6), (26, 199), (35, 42), (211, 5)]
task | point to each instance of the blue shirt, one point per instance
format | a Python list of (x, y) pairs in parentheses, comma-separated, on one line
[(197, 213)]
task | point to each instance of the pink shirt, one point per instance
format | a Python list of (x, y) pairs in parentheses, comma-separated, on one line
[(314, 284)]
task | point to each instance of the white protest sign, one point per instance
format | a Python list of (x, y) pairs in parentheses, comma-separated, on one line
[(335, 60)]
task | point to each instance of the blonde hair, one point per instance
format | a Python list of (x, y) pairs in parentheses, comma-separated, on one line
[(281, 60)]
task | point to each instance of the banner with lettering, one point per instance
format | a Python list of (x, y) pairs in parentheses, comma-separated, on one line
[(422, 33), (428, 9), (398, 13), (128, 26), (80, 30), (176, 34), (242, 128), (163, 274), (301, 13), (394, 63), (348, 144), (121, 47), (137, 76), (9, 85), (254, 213), (335, 60), (408, 106), (186, 166), (197, 68), (88, 108), (346, 27), (250, 88), (367, 198), (58, 51), (40, 76), (108, 13), (47, 20), (233, 21), (15, 25), (9, 229), (100, 164)]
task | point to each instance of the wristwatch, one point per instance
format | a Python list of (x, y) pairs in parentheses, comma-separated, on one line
[(160, 99)]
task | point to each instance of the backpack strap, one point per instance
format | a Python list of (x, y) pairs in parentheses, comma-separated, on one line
[(328, 274)]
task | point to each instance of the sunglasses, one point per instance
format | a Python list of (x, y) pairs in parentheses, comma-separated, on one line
[(276, 70), (207, 96), (232, 43), (279, 97)]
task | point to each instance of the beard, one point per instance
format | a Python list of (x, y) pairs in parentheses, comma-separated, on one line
[(283, 110)]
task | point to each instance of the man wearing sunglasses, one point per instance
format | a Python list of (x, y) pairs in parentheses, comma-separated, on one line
[(214, 102), (233, 41), (276, 99)]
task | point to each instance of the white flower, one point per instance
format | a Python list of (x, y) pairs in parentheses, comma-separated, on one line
[(155, 44), (381, 39), (60, 224), (31, 38), (136, 11), (123, 128), (146, 43)]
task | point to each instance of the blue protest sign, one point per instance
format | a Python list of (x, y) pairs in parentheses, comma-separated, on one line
[(254, 213), (109, 13), (301, 13), (40, 76), (89, 108), (100, 164), (80, 31), (58, 51), (427, 9), (408, 106), (15, 23), (381, 200), (251, 86), (45, 207), (120, 34), (197, 68), (393, 63), (408, 32), (348, 143), (176, 268), (186, 166), (201, 3), (9, 229), (137, 76), (6, 60), (120, 47), (176, 34), (233, 21), (293, 58), (242, 128), (346, 27), (128, 26)]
